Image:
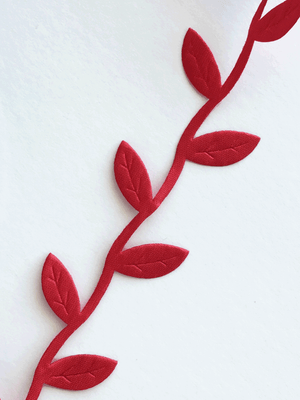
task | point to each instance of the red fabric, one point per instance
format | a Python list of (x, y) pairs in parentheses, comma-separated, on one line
[(221, 148), (152, 260), (200, 65), (132, 177), (59, 290), (79, 372), (277, 22)]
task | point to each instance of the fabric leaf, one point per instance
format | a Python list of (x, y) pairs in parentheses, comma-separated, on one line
[(150, 260), (59, 289), (277, 22), (221, 148), (199, 65), (132, 176), (79, 372)]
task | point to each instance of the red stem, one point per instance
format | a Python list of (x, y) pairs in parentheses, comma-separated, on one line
[(122, 239)]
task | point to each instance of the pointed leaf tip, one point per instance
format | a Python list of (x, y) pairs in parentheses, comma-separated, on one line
[(221, 148), (200, 65)]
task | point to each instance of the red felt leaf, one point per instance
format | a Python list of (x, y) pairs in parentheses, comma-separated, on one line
[(277, 22), (79, 372), (199, 65), (221, 148), (150, 260), (59, 289), (132, 176)]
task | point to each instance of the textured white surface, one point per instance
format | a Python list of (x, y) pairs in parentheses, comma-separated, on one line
[(77, 78)]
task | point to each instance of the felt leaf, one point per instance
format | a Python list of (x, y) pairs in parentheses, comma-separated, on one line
[(221, 148), (277, 22), (132, 176), (79, 372), (59, 289), (150, 260), (199, 65)]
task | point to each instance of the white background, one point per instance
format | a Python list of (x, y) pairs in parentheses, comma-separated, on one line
[(77, 78)]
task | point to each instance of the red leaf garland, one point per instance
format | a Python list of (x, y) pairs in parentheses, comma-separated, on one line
[(277, 22), (199, 65), (59, 289), (150, 260), (221, 148), (132, 176), (79, 372)]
